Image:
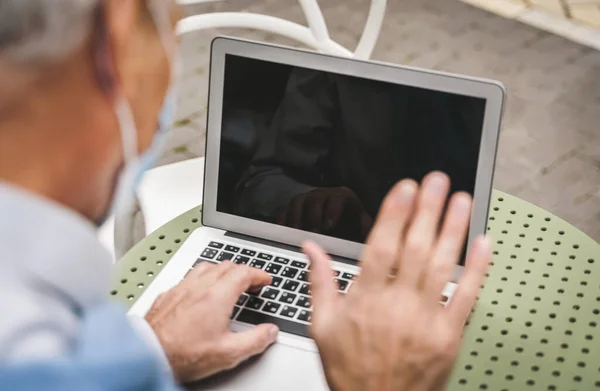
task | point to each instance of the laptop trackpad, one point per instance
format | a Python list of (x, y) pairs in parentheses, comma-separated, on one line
[(281, 367)]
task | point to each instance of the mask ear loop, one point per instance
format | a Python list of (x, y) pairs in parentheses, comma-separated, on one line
[(106, 76), (160, 15)]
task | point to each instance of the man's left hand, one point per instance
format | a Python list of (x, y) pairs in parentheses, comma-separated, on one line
[(192, 321)]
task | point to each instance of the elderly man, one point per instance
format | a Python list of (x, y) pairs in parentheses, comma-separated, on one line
[(82, 106)]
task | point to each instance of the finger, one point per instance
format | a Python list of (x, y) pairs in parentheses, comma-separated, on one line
[(295, 210), (238, 347), (204, 277), (464, 297), (313, 207), (166, 302), (238, 280), (384, 242), (366, 223), (281, 215), (200, 269), (157, 308), (324, 289), (449, 246), (160, 300), (421, 235), (360, 226), (334, 209)]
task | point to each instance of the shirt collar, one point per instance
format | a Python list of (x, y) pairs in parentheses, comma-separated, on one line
[(54, 245)]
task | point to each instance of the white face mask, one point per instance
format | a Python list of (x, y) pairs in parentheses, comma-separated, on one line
[(135, 166)]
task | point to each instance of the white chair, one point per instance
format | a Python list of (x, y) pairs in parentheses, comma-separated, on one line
[(170, 190)]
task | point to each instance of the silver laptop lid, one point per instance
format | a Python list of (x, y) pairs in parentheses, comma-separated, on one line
[(302, 145)]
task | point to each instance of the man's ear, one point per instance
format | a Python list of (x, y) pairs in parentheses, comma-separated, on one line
[(114, 25)]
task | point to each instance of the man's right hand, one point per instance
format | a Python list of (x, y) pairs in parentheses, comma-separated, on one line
[(192, 321), (333, 211), (391, 333)]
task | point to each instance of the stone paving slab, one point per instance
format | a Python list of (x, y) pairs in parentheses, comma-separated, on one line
[(578, 20), (549, 151)]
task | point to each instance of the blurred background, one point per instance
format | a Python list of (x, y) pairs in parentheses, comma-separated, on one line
[(549, 151)]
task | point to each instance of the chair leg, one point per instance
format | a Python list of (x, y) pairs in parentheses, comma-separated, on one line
[(373, 26), (124, 229)]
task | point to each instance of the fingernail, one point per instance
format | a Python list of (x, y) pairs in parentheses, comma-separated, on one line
[(407, 191), (273, 332), (328, 224), (437, 182), (463, 203), (486, 242)]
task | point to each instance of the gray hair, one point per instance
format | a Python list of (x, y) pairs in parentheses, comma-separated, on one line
[(40, 31)]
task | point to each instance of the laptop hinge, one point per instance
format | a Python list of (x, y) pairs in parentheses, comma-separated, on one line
[(283, 246)]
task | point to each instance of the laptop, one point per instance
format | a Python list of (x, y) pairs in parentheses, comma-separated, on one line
[(304, 146)]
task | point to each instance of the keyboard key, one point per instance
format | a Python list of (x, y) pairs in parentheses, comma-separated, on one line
[(200, 260), (305, 316), (249, 253), (242, 299), (350, 285), (271, 307), (254, 292), (289, 272), (253, 317), (287, 297), (288, 311), (290, 285), (276, 282), (231, 248), (299, 265), (258, 264), (273, 268), (336, 273), (303, 276), (342, 284), (235, 312), (241, 260), (348, 276), (303, 302), (266, 257), (305, 289), (225, 256), (270, 293), (254, 303), (215, 245), (209, 253), (283, 261)]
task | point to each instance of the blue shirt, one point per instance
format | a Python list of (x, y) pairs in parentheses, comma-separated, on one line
[(108, 355), (58, 326)]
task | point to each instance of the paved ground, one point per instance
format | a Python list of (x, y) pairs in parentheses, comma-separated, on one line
[(549, 150)]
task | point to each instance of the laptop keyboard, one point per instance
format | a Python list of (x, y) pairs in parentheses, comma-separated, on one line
[(286, 302)]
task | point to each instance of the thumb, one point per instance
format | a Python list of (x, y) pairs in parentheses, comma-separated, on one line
[(324, 290), (243, 345)]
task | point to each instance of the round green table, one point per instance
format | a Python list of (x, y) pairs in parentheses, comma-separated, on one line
[(536, 325)]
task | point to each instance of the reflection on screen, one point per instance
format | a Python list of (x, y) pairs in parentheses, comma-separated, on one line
[(319, 151)]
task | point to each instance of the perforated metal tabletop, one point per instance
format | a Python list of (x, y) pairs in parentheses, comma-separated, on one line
[(536, 325)]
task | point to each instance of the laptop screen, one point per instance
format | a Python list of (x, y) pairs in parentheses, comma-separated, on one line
[(318, 151)]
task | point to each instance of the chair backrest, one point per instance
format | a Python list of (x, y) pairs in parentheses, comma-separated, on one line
[(315, 36)]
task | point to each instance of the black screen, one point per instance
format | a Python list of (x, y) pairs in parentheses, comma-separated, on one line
[(318, 151)]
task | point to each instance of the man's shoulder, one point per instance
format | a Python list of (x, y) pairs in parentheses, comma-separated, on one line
[(36, 325)]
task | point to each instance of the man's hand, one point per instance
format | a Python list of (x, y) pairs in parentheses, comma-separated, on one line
[(192, 321), (335, 211), (391, 333)]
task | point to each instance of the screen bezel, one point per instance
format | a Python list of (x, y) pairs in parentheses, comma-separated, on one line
[(493, 92)]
